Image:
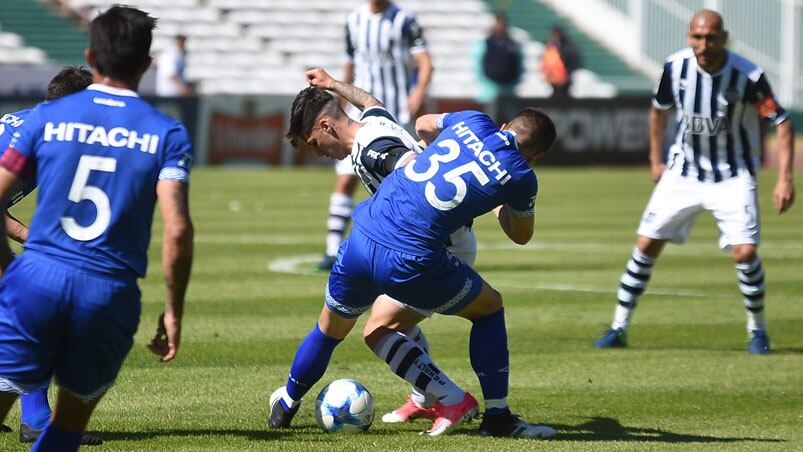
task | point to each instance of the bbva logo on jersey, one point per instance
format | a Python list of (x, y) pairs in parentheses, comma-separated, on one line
[(117, 137), (702, 125)]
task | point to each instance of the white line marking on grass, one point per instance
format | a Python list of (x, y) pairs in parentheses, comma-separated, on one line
[(605, 290), (295, 265)]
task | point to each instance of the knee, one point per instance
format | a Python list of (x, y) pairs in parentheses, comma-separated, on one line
[(744, 254), (373, 335), (488, 305)]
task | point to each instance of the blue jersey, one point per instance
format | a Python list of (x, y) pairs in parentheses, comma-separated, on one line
[(471, 168), (9, 123), (97, 155)]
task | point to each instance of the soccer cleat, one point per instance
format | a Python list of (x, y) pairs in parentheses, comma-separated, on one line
[(758, 343), (30, 435), (511, 426), (408, 412), (280, 416), (612, 338), (326, 264), (448, 417)]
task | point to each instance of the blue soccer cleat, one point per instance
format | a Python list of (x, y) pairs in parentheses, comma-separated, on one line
[(758, 343), (612, 338)]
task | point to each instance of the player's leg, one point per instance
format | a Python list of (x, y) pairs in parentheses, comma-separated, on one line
[(393, 335), (387, 311), (35, 414), (734, 204), (348, 294), (70, 419), (490, 359), (669, 216), (341, 203)]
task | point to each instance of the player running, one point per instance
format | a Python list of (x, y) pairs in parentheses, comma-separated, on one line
[(398, 248), (34, 405), (70, 305)]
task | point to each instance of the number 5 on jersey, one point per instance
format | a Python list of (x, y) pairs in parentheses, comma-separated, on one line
[(452, 176), (80, 191)]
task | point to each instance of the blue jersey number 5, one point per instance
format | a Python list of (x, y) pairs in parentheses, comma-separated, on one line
[(80, 191)]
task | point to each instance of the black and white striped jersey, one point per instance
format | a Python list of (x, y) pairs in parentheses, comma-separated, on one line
[(380, 144), (717, 128), (380, 47)]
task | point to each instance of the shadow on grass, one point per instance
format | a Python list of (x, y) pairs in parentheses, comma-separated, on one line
[(257, 435), (609, 429)]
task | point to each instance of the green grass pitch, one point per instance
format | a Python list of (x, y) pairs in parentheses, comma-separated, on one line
[(687, 381)]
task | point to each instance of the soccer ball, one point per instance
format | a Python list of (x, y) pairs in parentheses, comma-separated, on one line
[(344, 405)]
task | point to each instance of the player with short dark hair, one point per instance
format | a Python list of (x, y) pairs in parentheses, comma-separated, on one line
[(70, 305), (398, 248), (719, 97)]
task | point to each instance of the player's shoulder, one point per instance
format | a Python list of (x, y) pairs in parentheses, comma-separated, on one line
[(745, 66), (680, 55), (15, 119), (376, 128)]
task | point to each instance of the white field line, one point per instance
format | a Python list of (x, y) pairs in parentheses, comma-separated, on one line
[(780, 250), (302, 265)]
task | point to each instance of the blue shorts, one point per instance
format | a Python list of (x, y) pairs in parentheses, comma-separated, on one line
[(56, 320), (365, 269)]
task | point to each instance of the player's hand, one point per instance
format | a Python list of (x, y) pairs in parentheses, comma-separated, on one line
[(784, 195), (168, 335), (415, 102), (656, 171), (319, 78)]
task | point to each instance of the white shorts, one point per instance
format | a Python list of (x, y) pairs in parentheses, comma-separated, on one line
[(677, 200), (344, 167), (464, 247)]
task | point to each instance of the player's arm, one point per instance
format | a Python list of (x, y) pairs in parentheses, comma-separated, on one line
[(415, 100), (784, 193), (518, 228), (662, 100), (177, 250), (658, 120), (427, 127), (15, 229), (8, 182), (413, 36), (359, 98)]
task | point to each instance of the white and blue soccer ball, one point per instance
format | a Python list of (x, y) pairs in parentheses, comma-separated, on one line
[(344, 405)]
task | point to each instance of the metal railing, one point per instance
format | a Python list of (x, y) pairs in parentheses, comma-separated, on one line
[(767, 32)]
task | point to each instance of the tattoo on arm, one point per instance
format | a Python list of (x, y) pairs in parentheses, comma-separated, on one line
[(356, 96)]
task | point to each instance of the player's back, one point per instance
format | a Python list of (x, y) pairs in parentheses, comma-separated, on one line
[(468, 170), (98, 155)]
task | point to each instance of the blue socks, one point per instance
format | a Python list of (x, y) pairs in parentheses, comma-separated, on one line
[(490, 360), (309, 365), (35, 409), (55, 439)]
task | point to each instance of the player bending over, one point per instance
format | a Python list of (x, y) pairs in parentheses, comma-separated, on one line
[(398, 248), (70, 305), (378, 145)]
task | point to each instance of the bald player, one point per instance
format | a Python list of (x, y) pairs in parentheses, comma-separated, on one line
[(719, 98)]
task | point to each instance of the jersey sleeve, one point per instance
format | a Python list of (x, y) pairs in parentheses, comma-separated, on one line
[(662, 98), (760, 95), (178, 156), (413, 35), (380, 157), (447, 120), (19, 157), (522, 201), (377, 112), (349, 45)]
